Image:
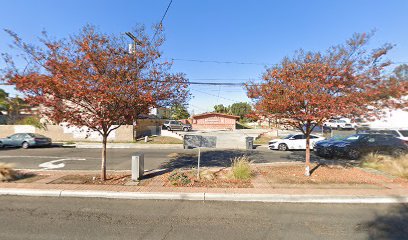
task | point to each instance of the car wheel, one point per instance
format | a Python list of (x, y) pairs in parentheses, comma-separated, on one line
[(397, 152), (338, 127), (282, 147), (185, 129), (354, 154), (169, 128), (25, 145)]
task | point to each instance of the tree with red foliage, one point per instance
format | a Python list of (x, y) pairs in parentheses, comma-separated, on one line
[(90, 79), (311, 87)]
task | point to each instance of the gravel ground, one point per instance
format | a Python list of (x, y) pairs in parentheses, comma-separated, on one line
[(322, 174)]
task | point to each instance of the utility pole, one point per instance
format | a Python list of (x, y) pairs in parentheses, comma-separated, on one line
[(135, 41), (132, 50)]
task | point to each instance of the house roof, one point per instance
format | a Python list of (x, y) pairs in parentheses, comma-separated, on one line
[(216, 114)]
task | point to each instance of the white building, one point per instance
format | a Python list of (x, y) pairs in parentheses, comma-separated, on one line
[(392, 119)]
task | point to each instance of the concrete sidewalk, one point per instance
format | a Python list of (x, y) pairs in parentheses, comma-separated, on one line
[(306, 193), (125, 145)]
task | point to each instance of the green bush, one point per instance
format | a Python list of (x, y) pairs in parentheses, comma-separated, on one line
[(179, 179), (33, 121), (241, 168)]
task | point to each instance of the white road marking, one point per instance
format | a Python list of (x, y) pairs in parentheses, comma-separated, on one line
[(52, 164)]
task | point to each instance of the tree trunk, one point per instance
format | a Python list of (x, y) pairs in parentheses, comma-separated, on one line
[(103, 165), (307, 169)]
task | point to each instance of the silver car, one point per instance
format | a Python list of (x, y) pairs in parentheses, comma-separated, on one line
[(173, 125), (25, 140)]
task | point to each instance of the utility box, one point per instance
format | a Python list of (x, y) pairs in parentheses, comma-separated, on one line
[(137, 166), (249, 143)]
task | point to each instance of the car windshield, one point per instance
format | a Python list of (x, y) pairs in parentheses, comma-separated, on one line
[(404, 133), (289, 136), (352, 138), (337, 138)]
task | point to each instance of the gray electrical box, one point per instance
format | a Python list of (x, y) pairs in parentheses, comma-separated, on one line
[(195, 141), (249, 142), (137, 166)]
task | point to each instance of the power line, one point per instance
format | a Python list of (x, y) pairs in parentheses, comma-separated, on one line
[(215, 95), (161, 21), (240, 63), (201, 83), (221, 79), (196, 107), (219, 62)]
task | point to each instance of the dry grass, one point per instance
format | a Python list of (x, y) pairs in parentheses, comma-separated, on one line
[(397, 166), (209, 178), (322, 175), (160, 140), (7, 173), (241, 168), (264, 139)]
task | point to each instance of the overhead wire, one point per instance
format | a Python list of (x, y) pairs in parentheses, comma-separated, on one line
[(214, 95), (161, 21)]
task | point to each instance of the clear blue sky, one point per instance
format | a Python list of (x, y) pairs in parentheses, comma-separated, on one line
[(228, 30)]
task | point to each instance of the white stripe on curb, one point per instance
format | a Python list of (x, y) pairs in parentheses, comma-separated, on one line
[(134, 195), (30, 192), (277, 198), (280, 198)]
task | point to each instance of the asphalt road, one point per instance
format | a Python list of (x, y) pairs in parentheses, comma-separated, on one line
[(74, 218), (120, 159)]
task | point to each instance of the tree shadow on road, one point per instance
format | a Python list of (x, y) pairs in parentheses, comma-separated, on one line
[(300, 156), (393, 225), (210, 158)]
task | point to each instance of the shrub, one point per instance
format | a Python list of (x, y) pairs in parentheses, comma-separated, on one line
[(241, 168), (7, 172), (397, 166), (179, 179), (33, 121)]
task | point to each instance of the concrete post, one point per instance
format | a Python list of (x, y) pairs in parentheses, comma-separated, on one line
[(137, 166)]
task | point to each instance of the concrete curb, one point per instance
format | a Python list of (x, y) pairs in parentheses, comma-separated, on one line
[(272, 198)]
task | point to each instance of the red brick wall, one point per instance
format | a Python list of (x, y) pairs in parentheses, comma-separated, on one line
[(213, 126), (214, 122)]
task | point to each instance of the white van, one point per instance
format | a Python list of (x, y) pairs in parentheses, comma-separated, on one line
[(398, 132)]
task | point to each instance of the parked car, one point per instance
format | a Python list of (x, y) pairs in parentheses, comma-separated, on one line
[(173, 125), (25, 140), (399, 133), (323, 148), (293, 141), (357, 145), (339, 124)]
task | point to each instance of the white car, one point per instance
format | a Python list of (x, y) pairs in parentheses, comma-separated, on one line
[(399, 133), (339, 124), (293, 141)]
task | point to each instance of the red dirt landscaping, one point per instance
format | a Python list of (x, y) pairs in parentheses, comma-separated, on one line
[(112, 179), (263, 176), (321, 175), (210, 179)]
